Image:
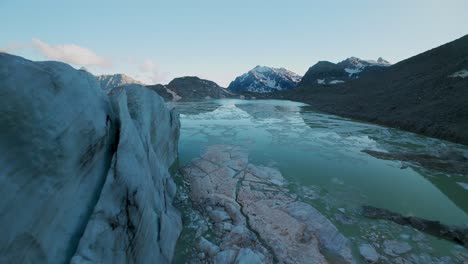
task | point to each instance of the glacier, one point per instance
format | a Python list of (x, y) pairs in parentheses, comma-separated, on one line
[(84, 176)]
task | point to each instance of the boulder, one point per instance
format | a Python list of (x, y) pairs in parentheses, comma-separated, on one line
[(396, 248), (225, 256), (368, 252), (246, 255), (207, 247)]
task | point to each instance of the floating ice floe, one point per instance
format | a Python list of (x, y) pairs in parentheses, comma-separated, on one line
[(463, 185)]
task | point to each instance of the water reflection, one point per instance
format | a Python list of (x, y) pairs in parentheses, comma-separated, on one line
[(314, 149), (394, 141), (193, 108)]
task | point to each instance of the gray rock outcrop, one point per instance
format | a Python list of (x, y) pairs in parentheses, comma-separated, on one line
[(255, 218), (368, 252)]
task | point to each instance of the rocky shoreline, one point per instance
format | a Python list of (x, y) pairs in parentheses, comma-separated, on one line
[(240, 212), (435, 228)]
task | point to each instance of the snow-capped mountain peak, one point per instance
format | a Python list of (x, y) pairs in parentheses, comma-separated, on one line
[(353, 65), (263, 79), (360, 63), (259, 68), (110, 81), (382, 61)]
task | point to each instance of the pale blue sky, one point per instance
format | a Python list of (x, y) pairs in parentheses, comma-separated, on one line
[(218, 40)]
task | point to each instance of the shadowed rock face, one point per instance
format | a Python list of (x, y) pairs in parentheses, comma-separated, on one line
[(435, 228), (83, 176), (190, 88), (254, 215), (328, 73), (162, 91)]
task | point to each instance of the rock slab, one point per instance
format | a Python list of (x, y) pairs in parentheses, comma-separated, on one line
[(265, 222)]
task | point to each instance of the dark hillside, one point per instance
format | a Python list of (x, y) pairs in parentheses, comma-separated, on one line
[(416, 94)]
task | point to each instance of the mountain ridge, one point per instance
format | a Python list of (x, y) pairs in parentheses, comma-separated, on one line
[(426, 94), (329, 73), (263, 79), (188, 88), (109, 81)]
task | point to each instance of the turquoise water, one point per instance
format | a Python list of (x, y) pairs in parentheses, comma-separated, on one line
[(320, 156)]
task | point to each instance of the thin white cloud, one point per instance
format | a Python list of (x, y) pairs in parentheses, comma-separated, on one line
[(13, 47), (144, 70), (150, 72), (70, 53)]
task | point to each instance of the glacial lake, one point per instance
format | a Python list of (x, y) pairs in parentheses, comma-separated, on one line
[(321, 157)]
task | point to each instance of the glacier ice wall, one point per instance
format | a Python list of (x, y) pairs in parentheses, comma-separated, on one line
[(83, 176)]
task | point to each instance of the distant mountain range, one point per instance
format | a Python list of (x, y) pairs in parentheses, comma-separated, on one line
[(262, 79), (183, 88), (328, 73), (425, 94)]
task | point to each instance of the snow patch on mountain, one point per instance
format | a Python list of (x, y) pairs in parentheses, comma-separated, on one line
[(352, 71), (461, 74), (336, 82), (175, 97), (354, 66)]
